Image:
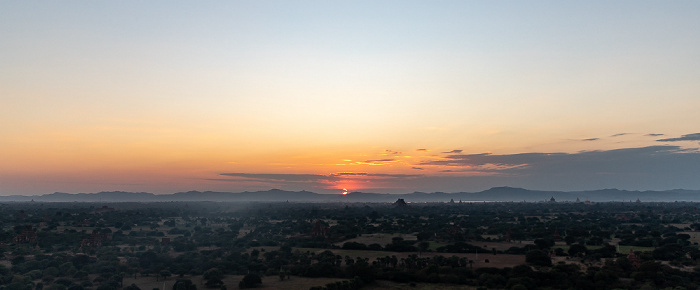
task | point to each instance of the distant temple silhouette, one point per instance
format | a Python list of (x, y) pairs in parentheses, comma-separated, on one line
[(400, 203)]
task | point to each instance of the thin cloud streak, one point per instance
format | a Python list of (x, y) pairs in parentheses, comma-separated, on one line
[(380, 160), (687, 137)]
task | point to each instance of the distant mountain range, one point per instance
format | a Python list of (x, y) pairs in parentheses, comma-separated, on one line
[(276, 195)]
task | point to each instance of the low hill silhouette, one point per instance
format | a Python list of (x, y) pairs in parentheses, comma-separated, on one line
[(500, 194)]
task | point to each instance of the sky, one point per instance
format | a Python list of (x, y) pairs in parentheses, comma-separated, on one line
[(326, 96)]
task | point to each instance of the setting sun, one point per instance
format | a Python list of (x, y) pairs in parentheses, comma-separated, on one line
[(257, 95)]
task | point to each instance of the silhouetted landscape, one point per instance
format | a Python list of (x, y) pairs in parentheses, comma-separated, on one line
[(348, 245), (503, 194), (345, 145)]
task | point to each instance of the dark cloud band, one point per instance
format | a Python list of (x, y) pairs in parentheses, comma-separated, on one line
[(687, 137)]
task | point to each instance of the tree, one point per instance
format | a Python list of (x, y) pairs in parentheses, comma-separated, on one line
[(165, 274), (184, 284), (282, 274), (668, 252), (538, 258), (577, 250), (214, 283), (423, 246), (569, 239), (250, 280), (213, 273), (544, 243)]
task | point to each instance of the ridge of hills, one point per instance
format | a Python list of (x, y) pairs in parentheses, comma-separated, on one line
[(276, 195)]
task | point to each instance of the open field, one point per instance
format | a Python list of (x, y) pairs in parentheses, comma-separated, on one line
[(385, 239), (378, 238), (501, 246), (498, 261), (273, 282), (231, 282), (694, 236), (620, 249), (416, 286)]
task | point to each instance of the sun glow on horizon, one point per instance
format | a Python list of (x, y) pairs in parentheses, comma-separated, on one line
[(242, 103)]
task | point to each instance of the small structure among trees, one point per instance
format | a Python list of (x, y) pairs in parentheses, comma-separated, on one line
[(557, 236), (319, 229), (507, 238), (104, 209), (634, 259), (94, 240), (28, 236)]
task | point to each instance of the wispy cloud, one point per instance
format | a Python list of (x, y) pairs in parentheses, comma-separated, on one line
[(656, 160), (687, 137), (456, 151), (619, 134), (659, 167), (479, 160), (391, 152), (316, 181), (654, 135), (422, 150), (591, 139), (380, 160), (281, 177), (378, 175)]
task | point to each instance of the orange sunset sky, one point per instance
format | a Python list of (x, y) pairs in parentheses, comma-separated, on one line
[(374, 96)]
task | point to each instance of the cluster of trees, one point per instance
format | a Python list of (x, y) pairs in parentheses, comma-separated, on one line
[(161, 240)]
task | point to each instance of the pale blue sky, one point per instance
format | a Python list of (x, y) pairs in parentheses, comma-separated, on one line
[(179, 90)]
